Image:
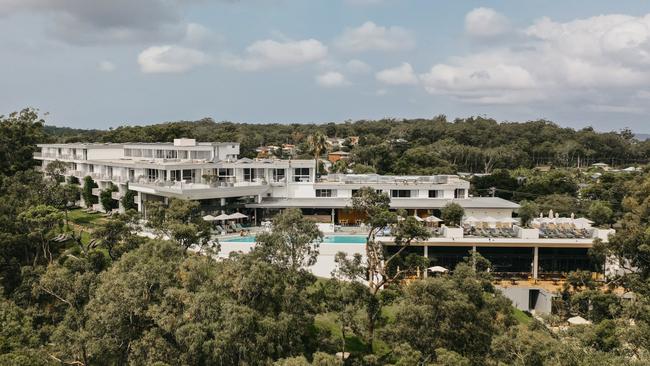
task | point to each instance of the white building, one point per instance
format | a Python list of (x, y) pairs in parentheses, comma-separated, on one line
[(213, 174)]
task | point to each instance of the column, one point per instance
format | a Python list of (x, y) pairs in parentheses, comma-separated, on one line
[(426, 255), (535, 262), (473, 257), (332, 216)]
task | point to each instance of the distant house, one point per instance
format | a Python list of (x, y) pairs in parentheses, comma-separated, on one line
[(543, 168), (335, 156), (354, 140)]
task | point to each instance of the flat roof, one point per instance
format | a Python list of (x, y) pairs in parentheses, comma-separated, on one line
[(406, 203)]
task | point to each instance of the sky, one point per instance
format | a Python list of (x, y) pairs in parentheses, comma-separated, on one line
[(101, 64)]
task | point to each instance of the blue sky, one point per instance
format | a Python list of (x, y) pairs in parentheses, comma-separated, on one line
[(100, 64)]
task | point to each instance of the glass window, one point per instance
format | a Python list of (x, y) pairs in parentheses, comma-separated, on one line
[(459, 193), (434, 193), (160, 154), (171, 154), (278, 175), (323, 193), (301, 175), (400, 193)]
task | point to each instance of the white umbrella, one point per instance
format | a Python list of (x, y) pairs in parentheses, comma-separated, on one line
[(237, 215), (578, 320), (438, 269), (432, 219), (209, 218), (222, 217), (418, 218), (470, 219)]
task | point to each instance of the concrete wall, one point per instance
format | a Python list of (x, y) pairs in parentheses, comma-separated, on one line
[(520, 297)]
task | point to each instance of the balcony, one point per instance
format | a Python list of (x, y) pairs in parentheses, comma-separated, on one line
[(96, 192), (191, 190), (116, 195)]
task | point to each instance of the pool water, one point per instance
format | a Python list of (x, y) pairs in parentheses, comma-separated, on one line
[(330, 239)]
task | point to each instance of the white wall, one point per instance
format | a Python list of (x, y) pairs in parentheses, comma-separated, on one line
[(116, 153)]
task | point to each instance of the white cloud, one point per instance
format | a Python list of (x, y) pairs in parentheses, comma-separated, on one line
[(170, 59), (601, 58), (381, 92), (485, 23), (370, 36), (358, 67), (106, 66), (196, 33), (269, 54), (400, 75), (332, 79)]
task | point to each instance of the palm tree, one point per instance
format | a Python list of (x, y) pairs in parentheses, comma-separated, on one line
[(318, 143)]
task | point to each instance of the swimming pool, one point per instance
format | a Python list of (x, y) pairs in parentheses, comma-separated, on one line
[(330, 239)]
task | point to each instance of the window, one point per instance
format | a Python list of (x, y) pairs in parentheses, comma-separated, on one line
[(175, 175), (183, 154), (459, 193), (278, 175), (127, 152), (152, 174), (301, 175), (324, 193), (253, 174), (435, 193), (400, 193), (91, 168), (171, 154), (160, 154)]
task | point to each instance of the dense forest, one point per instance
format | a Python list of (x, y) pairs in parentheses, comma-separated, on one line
[(78, 289), (419, 146)]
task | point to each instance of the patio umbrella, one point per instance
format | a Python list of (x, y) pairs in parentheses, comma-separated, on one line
[(432, 219), (438, 269), (237, 215), (222, 217), (209, 218), (489, 220), (470, 220), (418, 218)]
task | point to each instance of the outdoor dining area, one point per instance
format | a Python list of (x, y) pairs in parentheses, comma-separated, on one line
[(228, 223)]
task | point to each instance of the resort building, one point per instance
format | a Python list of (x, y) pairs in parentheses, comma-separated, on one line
[(214, 175)]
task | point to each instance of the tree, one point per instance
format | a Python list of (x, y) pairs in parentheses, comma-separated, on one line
[(87, 191), (293, 241), (56, 170), (106, 198), (600, 212), (40, 223), (452, 214), (318, 144), (119, 234), (527, 212), (180, 221), (460, 313), (62, 197), (377, 270), (128, 200), (19, 134)]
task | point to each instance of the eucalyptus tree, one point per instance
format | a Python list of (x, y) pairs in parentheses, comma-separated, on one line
[(376, 270)]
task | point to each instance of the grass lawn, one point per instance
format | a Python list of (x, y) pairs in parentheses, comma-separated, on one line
[(521, 317), (82, 218)]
